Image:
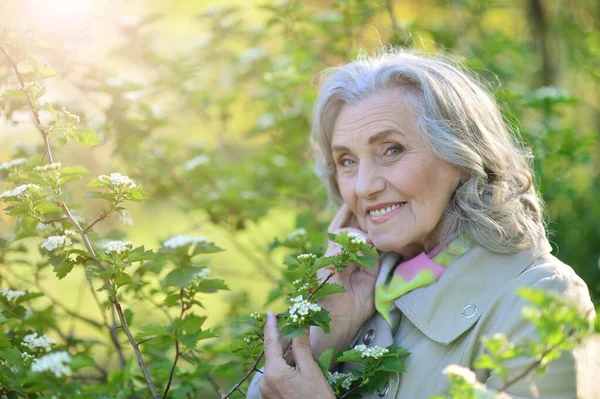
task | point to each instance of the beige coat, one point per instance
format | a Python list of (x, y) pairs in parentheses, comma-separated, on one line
[(442, 324)]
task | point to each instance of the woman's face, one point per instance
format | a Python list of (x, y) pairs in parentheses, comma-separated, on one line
[(395, 186)]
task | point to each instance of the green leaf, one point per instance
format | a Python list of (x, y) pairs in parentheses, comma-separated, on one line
[(291, 331), (80, 361), (322, 319), (72, 173), (367, 260), (324, 361), (181, 277), (205, 248), (137, 194), (327, 289), (87, 137), (125, 279), (392, 364), (192, 323), (212, 285), (64, 268), (17, 94), (350, 356)]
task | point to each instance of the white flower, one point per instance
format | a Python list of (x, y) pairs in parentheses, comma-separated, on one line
[(356, 238), (55, 242), (57, 363), (462, 372), (114, 81), (551, 93), (116, 247), (10, 294), (301, 308), (257, 316), (374, 352), (129, 21), (333, 378), (182, 240), (18, 192), (117, 181), (13, 163), (202, 274), (298, 234), (307, 257), (27, 358), (266, 121), (279, 160), (51, 167), (197, 161), (33, 342)]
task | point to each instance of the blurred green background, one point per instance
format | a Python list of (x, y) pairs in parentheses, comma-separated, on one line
[(207, 104)]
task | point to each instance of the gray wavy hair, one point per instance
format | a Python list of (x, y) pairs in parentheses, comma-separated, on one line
[(495, 204)]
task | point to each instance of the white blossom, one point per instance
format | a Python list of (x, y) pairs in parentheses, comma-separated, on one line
[(462, 372), (27, 358), (51, 167), (307, 257), (182, 240), (10, 294), (114, 81), (551, 93), (333, 378), (116, 247), (117, 181), (34, 342), (301, 308), (57, 242), (57, 363), (13, 163), (356, 238), (374, 352), (202, 274), (197, 161), (298, 234), (279, 160), (18, 192)]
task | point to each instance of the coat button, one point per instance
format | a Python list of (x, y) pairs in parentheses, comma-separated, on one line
[(381, 392), (469, 311), (368, 338)]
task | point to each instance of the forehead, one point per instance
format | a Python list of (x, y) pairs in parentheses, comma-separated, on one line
[(385, 109)]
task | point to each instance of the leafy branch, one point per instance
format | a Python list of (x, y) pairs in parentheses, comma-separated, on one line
[(83, 233)]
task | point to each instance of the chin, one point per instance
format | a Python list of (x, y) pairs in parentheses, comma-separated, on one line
[(392, 244)]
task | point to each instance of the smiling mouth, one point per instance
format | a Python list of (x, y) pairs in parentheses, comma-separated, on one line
[(386, 210)]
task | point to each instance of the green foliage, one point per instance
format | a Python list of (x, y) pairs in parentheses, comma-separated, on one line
[(249, 90)]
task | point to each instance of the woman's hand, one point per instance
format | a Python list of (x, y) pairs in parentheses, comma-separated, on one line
[(281, 381), (351, 309)]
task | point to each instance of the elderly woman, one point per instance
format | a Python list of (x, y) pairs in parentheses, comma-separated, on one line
[(423, 165)]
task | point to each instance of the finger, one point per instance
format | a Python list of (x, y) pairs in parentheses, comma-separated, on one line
[(302, 352), (273, 350), (341, 219)]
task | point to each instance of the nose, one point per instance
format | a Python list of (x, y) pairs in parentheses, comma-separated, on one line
[(369, 183)]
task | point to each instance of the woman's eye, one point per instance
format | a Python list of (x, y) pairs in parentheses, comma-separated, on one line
[(394, 150), (346, 162)]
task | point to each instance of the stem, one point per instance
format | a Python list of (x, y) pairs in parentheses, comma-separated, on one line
[(85, 239), (237, 386), (177, 353), (215, 385)]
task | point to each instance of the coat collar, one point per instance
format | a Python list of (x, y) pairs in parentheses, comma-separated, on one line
[(446, 309)]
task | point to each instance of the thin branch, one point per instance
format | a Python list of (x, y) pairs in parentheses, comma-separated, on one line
[(83, 235), (177, 353), (237, 386), (390, 7), (215, 385), (102, 217)]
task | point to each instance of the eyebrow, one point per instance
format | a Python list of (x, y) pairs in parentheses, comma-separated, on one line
[(376, 137)]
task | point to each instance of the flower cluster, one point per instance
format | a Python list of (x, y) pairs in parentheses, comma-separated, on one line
[(34, 342), (27, 358), (460, 371), (197, 161), (12, 164), (374, 352), (51, 167), (334, 378), (307, 258), (18, 193), (53, 243), (257, 316), (301, 308), (356, 238), (297, 235), (299, 285), (251, 338), (551, 93), (57, 363), (117, 181), (182, 241), (116, 247), (202, 274), (10, 294), (72, 118)]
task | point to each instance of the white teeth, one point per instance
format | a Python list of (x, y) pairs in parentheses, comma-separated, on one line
[(384, 211)]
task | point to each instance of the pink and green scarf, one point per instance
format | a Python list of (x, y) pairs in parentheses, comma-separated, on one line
[(420, 271)]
